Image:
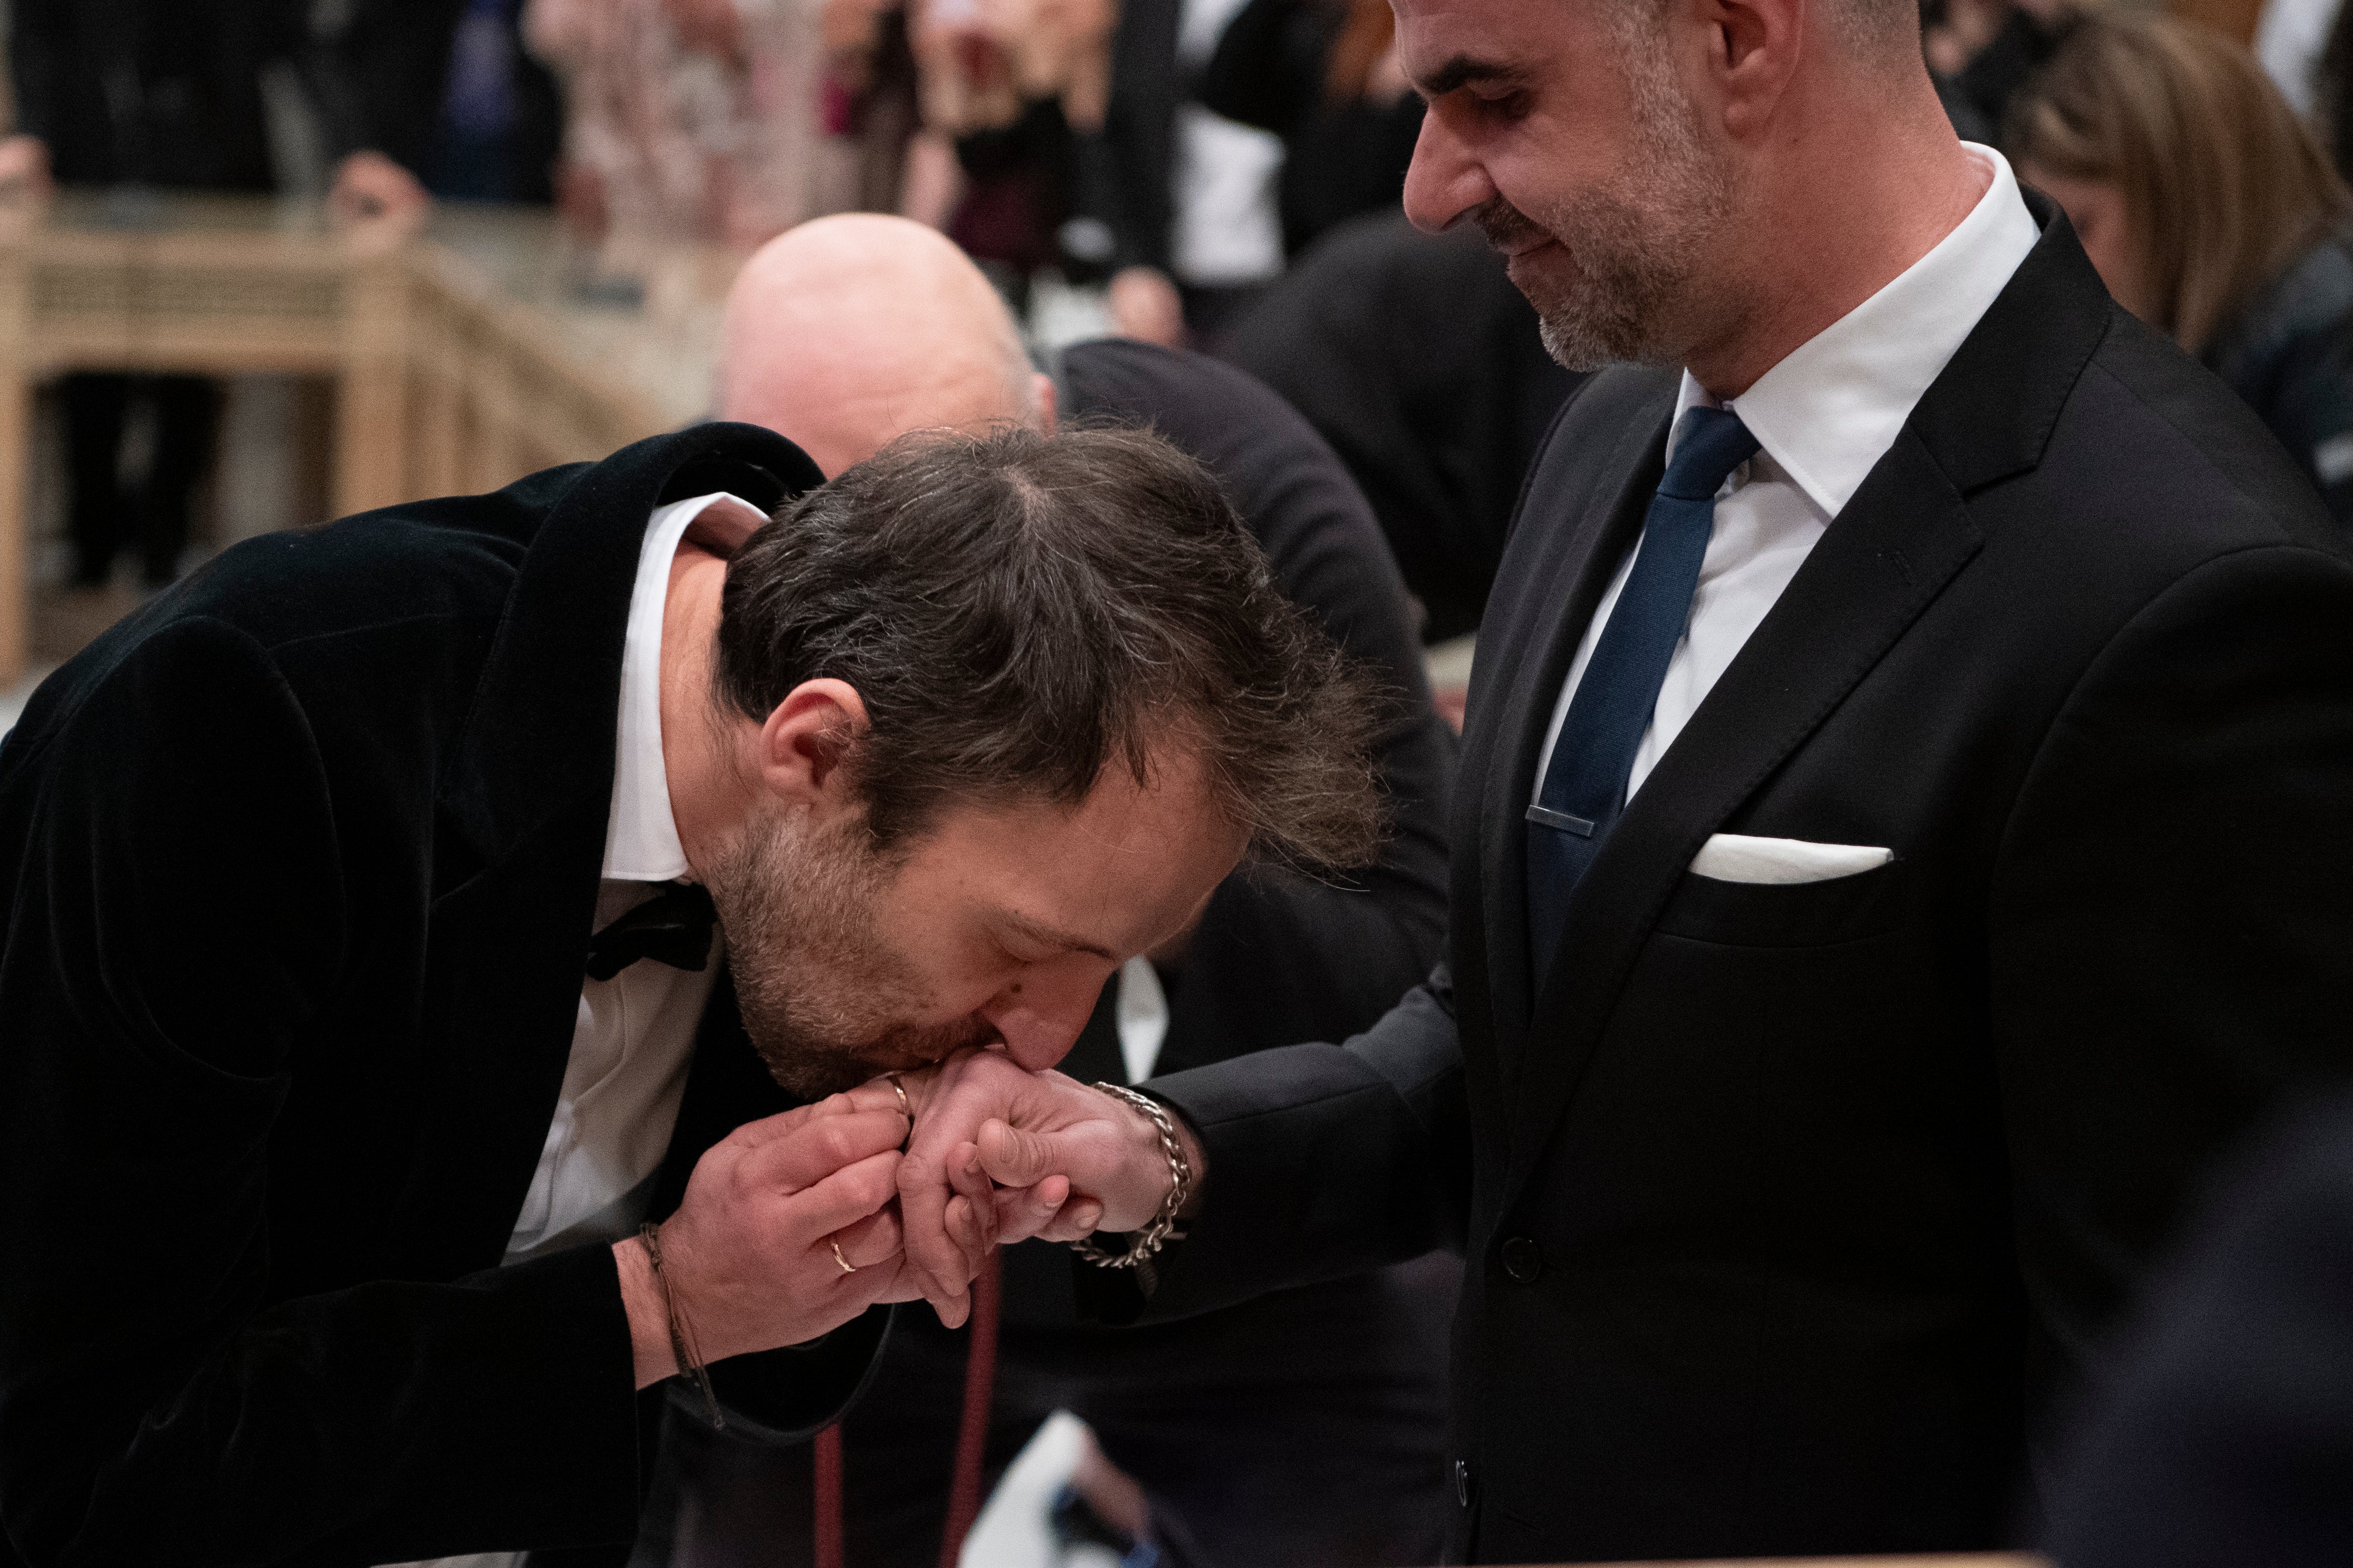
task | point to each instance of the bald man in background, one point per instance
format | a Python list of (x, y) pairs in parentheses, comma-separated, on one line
[(1304, 1428)]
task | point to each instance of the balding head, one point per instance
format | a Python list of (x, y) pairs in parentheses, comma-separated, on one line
[(849, 332)]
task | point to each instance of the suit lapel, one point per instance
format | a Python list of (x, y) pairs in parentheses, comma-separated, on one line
[(1882, 561), (1557, 600)]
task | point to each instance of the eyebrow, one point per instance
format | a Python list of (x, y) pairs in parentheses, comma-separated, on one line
[(1048, 936), (1461, 71)]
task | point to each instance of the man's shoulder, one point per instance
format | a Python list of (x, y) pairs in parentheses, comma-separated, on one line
[(2155, 459), (394, 597)]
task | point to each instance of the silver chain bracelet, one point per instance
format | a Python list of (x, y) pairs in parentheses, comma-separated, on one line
[(1162, 1226)]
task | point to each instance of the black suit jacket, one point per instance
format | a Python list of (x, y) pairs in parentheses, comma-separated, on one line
[(2224, 1434), (299, 864), (1787, 1207), (1122, 172)]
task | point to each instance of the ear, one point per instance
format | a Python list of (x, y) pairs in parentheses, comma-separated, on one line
[(1049, 402), (1753, 47), (806, 741)]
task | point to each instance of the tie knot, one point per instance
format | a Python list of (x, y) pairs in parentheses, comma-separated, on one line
[(1709, 444)]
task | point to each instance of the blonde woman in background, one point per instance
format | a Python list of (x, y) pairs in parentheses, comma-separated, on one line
[(2213, 213)]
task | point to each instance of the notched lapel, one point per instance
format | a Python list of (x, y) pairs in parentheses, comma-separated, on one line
[(1988, 416), (1540, 618)]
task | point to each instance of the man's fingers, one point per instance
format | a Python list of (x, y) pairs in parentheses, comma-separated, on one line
[(768, 1128), (808, 1153), (872, 1241), (1013, 1158), (1079, 1219), (1025, 1212), (842, 1199)]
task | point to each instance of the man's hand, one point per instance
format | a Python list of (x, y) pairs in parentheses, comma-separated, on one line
[(749, 1257), (24, 169), (1001, 1154), (376, 200), (1144, 305)]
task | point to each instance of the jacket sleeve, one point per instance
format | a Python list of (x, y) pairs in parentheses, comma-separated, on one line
[(2172, 921), (178, 916), (1322, 1160)]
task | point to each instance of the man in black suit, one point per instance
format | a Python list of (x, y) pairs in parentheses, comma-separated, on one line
[(1900, 833), (1304, 1428), (362, 1013)]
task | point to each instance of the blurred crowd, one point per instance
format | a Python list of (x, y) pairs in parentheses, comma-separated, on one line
[(1220, 174)]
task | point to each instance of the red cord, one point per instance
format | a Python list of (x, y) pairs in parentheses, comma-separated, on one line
[(972, 1437), (972, 1440), (829, 1496)]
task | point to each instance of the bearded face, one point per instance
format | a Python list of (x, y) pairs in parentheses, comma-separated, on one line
[(1618, 284), (827, 999)]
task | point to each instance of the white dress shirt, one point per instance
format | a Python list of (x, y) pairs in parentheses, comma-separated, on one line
[(1822, 417), (635, 1034), (634, 1037)]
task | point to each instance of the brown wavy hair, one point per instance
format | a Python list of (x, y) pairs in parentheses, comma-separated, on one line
[(2224, 186), (1021, 612)]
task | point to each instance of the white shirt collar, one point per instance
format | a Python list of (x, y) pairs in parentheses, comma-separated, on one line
[(1830, 410), (641, 841)]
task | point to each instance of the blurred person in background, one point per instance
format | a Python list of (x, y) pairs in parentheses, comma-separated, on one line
[(1183, 199), (2224, 1437), (719, 121), (1414, 356), (435, 97), (2211, 212), (142, 96), (1323, 75), (1009, 90), (1301, 1429)]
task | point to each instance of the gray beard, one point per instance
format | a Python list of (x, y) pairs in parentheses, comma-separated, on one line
[(1633, 247)]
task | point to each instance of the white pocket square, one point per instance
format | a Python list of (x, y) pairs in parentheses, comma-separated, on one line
[(1736, 857)]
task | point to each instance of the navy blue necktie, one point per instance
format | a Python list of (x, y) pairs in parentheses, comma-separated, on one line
[(1585, 786)]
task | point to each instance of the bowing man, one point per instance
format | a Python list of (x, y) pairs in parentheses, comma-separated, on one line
[(436, 947), (1900, 834)]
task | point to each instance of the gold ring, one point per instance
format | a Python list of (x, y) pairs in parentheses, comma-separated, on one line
[(847, 1266), (899, 1090)]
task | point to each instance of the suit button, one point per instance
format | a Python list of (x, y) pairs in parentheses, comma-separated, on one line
[(1462, 1482), (1522, 1260)]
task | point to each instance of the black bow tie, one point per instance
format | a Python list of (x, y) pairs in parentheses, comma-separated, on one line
[(673, 928)]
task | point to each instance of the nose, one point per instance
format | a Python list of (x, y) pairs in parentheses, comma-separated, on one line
[(1040, 1021), (1446, 179)]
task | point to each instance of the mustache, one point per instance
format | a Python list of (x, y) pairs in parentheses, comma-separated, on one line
[(1506, 228)]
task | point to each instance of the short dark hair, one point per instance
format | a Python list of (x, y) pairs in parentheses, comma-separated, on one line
[(1019, 612)]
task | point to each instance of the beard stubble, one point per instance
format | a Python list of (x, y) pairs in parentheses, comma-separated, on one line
[(826, 999), (1626, 287)]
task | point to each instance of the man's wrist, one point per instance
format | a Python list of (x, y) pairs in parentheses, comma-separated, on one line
[(641, 1298), (1152, 1153)]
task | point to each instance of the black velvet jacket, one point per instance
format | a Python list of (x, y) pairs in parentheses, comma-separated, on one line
[(299, 864)]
